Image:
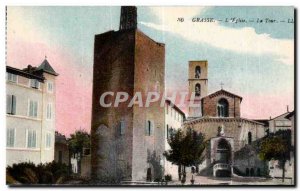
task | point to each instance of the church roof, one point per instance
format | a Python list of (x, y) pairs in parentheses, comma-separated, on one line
[(264, 121), (222, 92), (290, 115), (283, 116), (220, 119), (46, 67)]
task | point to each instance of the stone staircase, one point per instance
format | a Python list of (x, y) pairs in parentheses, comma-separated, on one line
[(221, 166)]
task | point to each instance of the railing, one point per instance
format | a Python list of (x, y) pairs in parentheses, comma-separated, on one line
[(221, 166)]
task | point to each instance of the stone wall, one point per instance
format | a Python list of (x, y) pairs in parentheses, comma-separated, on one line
[(148, 77), (209, 105), (131, 62), (237, 128), (247, 162), (113, 69), (86, 166), (63, 148)]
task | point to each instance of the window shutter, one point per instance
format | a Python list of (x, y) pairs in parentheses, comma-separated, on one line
[(152, 128), (35, 109), (13, 105), (146, 128), (28, 139), (167, 131), (7, 137), (10, 137), (33, 139), (30, 108), (48, 140), (49, 111), (8, 104), (32, 83)]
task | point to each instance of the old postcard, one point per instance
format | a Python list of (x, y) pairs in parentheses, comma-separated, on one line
[(150, 96)]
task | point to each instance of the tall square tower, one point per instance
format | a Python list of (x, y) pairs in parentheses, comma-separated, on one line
[(127, 142), (198, 82)]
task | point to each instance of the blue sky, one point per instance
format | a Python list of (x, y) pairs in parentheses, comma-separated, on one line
[(252, 60)]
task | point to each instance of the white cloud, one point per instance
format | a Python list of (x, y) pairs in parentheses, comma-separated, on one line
[(242, 40)]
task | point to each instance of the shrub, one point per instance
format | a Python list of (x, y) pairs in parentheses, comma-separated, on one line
[(28, 173)]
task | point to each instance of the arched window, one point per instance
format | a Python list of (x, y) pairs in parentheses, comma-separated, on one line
[(223, 154), (222, 108), (197, 72), (247, 172), (249, 138), (258, 172), (197, 89)]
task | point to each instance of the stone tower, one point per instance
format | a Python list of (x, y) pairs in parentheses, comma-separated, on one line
[(128, 19), (127, 142), (197, 85)]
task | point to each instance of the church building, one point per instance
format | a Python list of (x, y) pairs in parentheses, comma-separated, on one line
[(218, 116)]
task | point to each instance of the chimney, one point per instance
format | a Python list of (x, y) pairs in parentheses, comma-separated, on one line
[(29, 68), (128, 19), (287, 108)]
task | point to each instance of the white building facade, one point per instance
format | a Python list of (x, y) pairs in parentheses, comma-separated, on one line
[(284, 121), (174, 120), (30, 114)]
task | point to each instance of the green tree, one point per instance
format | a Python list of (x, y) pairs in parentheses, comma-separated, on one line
[(276, 146), (186, 149), (77, 142)]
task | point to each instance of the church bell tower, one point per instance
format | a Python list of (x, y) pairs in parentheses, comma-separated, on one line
[(197, 85), (128, 19)]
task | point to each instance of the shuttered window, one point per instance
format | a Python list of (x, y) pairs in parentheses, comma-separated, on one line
[(11, 104), (10, 137), (12, 77), (50, 87), (33, 108), (34, 83), (48, 140), (31, 139), (49, 111)]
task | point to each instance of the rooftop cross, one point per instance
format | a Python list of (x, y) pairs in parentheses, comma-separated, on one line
[(221, 85)]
